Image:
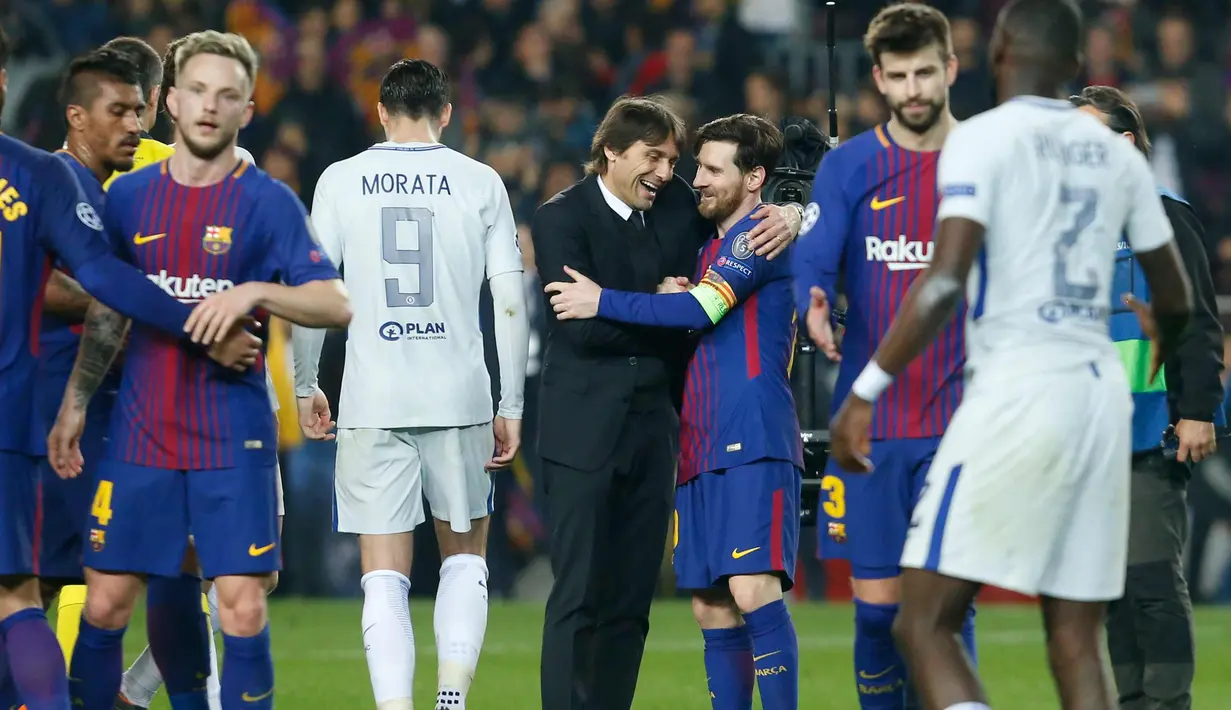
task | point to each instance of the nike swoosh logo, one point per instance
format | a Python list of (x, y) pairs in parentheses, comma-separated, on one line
[(873, 676), (256, 698), (878, 205), (765, 655), (139, 240), (738, 553), (255, 551)]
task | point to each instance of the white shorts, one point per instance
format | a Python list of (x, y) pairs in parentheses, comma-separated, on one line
[(382, 475), (1030, 488), (278, 488)]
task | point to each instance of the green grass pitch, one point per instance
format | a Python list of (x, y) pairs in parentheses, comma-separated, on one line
[(320, 661)]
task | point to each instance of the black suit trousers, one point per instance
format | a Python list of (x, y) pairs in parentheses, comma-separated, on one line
[(608, 533)]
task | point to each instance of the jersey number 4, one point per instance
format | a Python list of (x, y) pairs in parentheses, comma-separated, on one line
[(101, 507), (418, 219), (1086, 201)]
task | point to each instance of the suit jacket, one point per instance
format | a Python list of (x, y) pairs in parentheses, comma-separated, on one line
[(589, 366)]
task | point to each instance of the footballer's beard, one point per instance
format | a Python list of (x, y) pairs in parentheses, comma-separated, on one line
[(208, 149), (719, 206), (922, 124)]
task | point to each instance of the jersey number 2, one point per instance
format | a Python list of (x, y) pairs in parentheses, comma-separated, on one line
[(420, 219), (1086, 200)]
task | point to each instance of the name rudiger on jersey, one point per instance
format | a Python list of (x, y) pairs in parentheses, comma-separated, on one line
[(899, 254), (189, 289), (393, 331)]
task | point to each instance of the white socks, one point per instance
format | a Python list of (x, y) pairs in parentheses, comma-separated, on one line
[(460, 623), (388, 639), (142, 680), (213, 684), (969, 706)]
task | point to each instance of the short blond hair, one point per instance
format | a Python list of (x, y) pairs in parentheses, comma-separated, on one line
[(223, 44)]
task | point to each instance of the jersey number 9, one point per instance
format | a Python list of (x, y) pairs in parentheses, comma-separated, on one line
[(420, 219)]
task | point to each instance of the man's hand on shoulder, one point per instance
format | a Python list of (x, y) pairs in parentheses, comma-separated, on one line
[(315, 418), (777, 228)]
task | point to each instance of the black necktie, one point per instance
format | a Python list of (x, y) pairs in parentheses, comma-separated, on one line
[(638, 219)]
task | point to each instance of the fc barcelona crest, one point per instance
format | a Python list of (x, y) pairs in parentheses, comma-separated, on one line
[(217, 240)]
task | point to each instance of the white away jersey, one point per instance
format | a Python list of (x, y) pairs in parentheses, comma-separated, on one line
[(1055, 190), (415, 227)]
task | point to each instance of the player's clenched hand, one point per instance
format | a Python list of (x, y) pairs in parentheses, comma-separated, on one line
[(578, 299), (508, 441), (315, 419), (820, 329), (214, 317), (777, 228), (64, 442), (1149, 327), (239, 349), (674, 284), (850, 442)]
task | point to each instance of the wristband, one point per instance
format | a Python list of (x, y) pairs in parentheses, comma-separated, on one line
[(871, 382)]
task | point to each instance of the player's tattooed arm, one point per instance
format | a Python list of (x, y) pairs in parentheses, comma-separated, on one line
[(102, 338), (934, 297), (64, 297)]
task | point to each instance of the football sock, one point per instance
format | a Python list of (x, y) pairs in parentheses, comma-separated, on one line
[(36, 664), (98, 664), (142, 680), (179, 638), (8, 691), (248, 677), (880, 671), (729, 668), (775, 653), (388, 639), (68, 617), (213, 686), (460, 623), (969, 706)]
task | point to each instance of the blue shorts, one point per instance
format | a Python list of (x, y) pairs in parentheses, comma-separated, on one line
[(864, 517), (737, 521), (19, 511), (64, 504), (140, 519)]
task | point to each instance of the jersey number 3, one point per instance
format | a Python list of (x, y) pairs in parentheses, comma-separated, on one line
[(1086, 200), (419, 219)]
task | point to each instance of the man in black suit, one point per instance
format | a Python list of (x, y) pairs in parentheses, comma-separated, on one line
[(608, 426)]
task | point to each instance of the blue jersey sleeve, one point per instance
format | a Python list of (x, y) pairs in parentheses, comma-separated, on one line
[(295, 256), (817, 258), (734, 275), (72, 231)]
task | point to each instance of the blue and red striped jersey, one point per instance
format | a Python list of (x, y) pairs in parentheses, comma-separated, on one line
[(58, 338), (870, 224), (738, 407), (176, 409), (42, 213)]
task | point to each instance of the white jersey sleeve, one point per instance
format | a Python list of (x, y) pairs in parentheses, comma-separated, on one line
[(503, 248), (1148, 227), (968, 175)]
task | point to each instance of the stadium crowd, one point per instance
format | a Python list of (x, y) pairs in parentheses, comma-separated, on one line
[(532, 78)]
